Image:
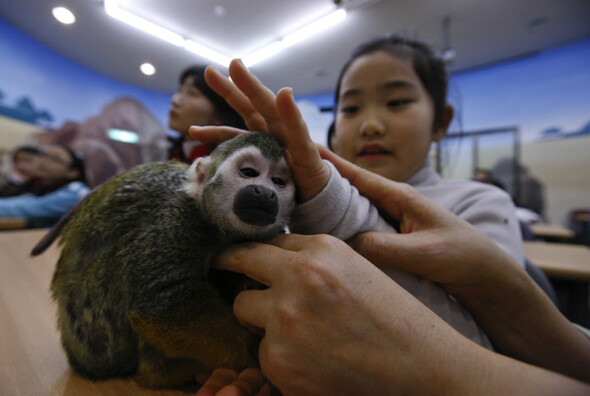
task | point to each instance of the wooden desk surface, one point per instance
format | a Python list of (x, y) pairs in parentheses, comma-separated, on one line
[(560, 259), (32, 361), (544, 230)]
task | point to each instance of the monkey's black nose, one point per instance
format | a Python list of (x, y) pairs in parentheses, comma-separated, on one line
[(256, 205)]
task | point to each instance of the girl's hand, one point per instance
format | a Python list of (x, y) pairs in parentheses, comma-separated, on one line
[(264, 112)]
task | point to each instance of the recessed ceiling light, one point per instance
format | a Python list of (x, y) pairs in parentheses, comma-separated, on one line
[(148, 69), (63, 15)]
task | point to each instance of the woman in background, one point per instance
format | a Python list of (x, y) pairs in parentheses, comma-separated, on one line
[(196, 104), (61, 183)]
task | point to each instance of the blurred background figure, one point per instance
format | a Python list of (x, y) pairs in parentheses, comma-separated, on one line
[(196, 104), (24, 165), (60, 182)]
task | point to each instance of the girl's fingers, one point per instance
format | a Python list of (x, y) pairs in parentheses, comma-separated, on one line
[(261, 98), (236, 99), (311, 174), (214, 134)]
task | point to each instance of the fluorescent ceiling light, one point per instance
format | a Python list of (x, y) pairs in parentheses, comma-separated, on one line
[(111, 7), (314, 28), (63, 15), (262, 54), (256, 56), (207, 52)]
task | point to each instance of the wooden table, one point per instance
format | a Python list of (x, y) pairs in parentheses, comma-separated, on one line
[(32, 361), (551, 231), (568, 267), (11, 223), (560, 259)]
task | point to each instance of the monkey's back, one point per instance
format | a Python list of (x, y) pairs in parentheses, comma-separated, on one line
[(133, 245)]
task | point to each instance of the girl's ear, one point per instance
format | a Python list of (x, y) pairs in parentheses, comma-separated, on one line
[(442, 124)]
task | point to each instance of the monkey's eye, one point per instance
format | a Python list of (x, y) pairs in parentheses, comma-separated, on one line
[(278, 181), (249, 172)]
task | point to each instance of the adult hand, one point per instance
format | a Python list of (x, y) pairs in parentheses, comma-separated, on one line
[(227, 382), (335, 325), (518, 317), (264, 112)]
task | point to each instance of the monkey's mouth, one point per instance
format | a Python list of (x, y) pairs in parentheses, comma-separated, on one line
[(257, 216), (256, 205)]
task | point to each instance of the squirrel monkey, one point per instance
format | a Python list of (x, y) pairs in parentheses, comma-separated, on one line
[(135, 292)]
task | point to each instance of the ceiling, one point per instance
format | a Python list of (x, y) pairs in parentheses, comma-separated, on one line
[(481, 32)]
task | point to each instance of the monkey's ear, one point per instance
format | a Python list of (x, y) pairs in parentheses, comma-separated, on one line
[(200, 168)]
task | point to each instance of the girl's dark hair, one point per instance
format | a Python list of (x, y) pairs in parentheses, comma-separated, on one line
[(77, 163), (429, 68), (228, 116)]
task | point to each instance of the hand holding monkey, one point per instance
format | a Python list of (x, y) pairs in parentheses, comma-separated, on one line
[(277, 115)]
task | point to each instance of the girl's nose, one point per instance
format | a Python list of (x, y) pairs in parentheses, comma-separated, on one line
[(176, 99), (372, 127)]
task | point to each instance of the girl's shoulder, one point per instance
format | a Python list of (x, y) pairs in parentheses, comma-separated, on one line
[(451, 193)]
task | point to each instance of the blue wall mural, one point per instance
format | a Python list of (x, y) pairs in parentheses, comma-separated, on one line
[(40, 86)]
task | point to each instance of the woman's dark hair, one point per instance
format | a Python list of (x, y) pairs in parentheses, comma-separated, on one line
[(429, 68), (224, 111), (77, 163), (26, 149)]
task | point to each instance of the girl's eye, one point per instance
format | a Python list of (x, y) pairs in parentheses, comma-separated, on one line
[(278, 181), (398, 102), (349, 109), (249, 172)]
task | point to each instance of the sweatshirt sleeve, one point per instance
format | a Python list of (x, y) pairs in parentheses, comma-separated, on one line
[(338, 210), (46, 208)]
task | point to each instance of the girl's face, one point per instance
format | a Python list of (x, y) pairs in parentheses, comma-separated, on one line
[(385, 117), (190, 107)]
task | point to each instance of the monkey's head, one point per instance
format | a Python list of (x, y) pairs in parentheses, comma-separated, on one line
[(245, 187)]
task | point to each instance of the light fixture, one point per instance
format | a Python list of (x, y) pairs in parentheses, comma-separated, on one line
[(314, 28), (148, 69), (63, 15), (250, 59), (263, 53), (121, 135), (207, 52), (112, 9)]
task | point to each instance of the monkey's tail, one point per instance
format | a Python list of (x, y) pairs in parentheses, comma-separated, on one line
[(48, 239)]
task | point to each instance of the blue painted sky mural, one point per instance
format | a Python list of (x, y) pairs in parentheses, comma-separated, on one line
[(32, 75), (547, 95)]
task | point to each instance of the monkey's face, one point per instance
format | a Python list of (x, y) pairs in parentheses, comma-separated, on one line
[(250, 196)]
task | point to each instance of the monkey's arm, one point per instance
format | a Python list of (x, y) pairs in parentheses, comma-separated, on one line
[(338, 210)]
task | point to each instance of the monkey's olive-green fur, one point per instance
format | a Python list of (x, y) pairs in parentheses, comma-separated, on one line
[(132, 284)]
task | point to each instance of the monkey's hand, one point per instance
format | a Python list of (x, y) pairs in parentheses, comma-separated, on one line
[(263, 111)]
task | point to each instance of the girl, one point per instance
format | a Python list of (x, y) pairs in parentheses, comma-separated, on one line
[(196, 104), (390, 106)]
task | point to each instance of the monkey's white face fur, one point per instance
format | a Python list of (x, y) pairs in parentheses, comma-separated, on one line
[(248, 196)]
